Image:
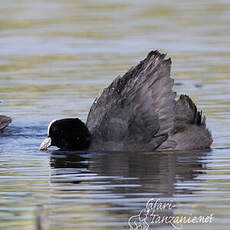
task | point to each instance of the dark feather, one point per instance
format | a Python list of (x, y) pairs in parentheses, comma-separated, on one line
[(138, 111), (136, 107)]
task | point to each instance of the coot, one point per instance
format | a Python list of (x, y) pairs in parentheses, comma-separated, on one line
[(136, 112)]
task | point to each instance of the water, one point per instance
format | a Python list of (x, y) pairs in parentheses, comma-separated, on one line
[(56, 57)]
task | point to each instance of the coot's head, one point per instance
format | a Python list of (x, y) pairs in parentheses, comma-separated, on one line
[(67, 134)]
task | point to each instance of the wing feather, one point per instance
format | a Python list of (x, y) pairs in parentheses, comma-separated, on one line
[(137, 107)]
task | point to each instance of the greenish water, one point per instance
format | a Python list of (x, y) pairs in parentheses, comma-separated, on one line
[(55, 57)]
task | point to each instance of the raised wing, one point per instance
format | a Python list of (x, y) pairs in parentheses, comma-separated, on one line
[(137, 110)]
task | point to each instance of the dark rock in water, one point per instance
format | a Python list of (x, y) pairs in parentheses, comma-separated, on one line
[(4, 122), (198, 85), (178, 84)]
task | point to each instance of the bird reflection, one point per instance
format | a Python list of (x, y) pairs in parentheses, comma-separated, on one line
[(152, 172), (127, 179), (68, 168)]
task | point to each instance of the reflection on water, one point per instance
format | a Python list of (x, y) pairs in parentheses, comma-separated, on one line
[(164, 169), (56, 57), (122, 182)]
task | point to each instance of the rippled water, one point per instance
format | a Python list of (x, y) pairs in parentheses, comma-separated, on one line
[(56, 57)]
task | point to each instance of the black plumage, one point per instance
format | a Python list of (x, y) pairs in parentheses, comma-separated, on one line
[(139, 112)]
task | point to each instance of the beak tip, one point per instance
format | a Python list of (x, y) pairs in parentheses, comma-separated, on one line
[(45, 144)]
